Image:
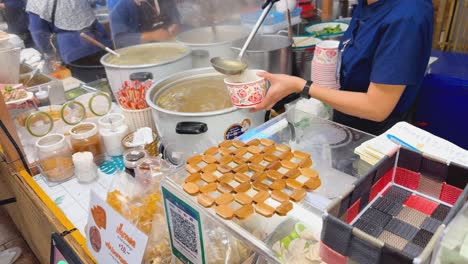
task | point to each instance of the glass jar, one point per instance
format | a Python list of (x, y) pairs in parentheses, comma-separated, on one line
[(55, 158), (85, 137)]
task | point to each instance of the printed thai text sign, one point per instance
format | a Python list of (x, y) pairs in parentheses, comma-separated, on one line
[(110, 237)]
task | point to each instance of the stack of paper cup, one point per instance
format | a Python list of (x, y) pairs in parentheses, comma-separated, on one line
[(324, 64)]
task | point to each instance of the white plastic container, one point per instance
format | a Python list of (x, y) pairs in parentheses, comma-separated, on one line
[(113, 128)]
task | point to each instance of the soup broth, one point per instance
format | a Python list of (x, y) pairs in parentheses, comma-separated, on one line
[(150, 54), (197, 95)]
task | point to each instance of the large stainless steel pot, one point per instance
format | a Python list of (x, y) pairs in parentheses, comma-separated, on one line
[(272, 53), (117, 74), (206, 44), (197, 131)]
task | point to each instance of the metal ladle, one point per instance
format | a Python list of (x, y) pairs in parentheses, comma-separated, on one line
[(235, 66)]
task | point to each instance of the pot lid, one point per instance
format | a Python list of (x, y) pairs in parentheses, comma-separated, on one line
[(39, 124), (206, 36), (73, 113), (100, 104)]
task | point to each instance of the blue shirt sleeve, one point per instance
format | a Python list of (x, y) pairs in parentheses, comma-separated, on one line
[(400, 57), (124, 25)]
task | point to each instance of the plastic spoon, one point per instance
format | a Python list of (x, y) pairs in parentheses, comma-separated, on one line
[(235, 66)]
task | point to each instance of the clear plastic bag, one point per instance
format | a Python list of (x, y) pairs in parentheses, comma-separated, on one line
[(139, 201)]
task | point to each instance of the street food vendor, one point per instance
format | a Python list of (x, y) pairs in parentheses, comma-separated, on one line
[(142, 21), (385, 52), (57, 24)]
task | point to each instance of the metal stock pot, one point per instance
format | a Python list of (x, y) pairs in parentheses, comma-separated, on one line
[(272, 53), (207, 44), (119, 71)]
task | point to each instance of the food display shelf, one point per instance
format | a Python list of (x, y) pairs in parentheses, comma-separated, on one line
[(331, 147)]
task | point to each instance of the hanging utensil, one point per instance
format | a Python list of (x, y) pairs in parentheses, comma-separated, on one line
[(98, 44), (235, 66)]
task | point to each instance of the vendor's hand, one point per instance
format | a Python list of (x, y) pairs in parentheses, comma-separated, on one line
[(173, 29), (281, 85), (156, 35)]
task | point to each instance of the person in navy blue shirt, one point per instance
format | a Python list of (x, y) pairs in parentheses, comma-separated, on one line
[(386, 50), (141, 21), (59, 31), (17, 19)]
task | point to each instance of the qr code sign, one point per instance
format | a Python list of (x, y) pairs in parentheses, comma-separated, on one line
[(185, 233)]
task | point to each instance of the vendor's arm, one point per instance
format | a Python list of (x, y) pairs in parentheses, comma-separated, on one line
[(376, 104), (155, 35)]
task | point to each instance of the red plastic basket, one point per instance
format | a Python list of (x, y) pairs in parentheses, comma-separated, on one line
[(421, 204), (353, 211), (407, 178), (449, 193), (329, 255)]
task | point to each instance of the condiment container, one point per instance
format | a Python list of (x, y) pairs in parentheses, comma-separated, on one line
[(85, 168), (150, 171), (112, 129), (85, 137), (55, 157), (132, 158), (43, 97)]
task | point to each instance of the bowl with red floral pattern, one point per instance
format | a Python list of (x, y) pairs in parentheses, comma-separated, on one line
[(246, 90)]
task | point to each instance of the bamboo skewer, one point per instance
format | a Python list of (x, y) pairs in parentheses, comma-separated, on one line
[(438, 25), (448, 26), (454, 28)]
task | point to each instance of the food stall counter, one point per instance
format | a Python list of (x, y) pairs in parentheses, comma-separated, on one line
[(257, 238)]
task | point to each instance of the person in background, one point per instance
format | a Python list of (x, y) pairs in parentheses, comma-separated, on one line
[(141, 21), (56, 25), (385, 53), (17, 19)]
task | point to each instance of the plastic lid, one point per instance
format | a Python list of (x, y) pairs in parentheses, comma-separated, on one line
[(100, 104), (50, 142), (39, 124), (73, 113), (83, 130), (111, 121)]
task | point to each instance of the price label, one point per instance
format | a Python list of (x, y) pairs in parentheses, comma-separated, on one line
[(110, 237)]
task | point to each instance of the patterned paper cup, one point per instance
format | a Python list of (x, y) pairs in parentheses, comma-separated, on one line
[(246, 90), (326, 52)]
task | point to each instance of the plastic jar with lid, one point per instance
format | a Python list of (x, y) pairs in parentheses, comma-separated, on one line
[(85, 137), (55, 157), (113, 129)]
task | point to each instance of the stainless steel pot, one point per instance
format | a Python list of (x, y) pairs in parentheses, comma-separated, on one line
[(272, 53), (117, 74), (206, 44), (200, 130)]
